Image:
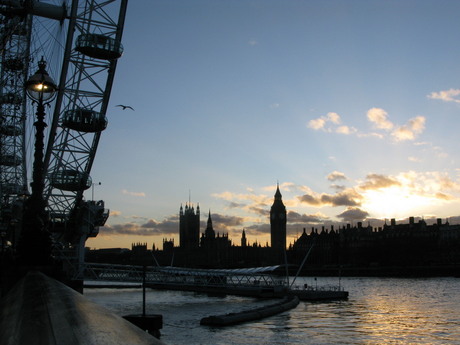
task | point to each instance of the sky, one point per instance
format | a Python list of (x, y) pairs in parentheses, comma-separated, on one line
[(352, 107)]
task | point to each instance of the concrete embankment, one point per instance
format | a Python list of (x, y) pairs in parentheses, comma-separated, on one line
[(41, 310), (286, 303)]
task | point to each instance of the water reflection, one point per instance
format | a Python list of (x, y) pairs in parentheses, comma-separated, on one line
[(379, 311)]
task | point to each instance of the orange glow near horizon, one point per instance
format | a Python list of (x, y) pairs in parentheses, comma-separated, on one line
[(396, 202)]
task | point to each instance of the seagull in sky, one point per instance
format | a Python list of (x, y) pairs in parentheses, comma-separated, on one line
[(125, 107)]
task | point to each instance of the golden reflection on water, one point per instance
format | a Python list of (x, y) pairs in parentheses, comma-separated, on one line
[(389, 311), (402, 314)]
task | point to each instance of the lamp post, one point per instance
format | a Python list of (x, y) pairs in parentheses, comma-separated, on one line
[(34, 246)]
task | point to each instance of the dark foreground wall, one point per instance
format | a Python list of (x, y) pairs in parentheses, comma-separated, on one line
[(41, 310)]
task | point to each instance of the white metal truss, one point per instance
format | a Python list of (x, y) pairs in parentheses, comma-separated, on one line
[(177, 276), (86, 82)]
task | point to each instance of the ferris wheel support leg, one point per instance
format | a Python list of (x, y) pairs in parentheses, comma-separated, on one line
[(80, 253)]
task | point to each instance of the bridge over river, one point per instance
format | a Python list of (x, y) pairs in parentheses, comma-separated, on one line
[(255, 282)]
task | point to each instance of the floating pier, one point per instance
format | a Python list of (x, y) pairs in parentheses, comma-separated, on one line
[(286, 303)]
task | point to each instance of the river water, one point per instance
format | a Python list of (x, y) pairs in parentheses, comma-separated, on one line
[(378, 311)]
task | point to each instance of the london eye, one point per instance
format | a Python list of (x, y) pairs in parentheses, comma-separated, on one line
[(79, 42)]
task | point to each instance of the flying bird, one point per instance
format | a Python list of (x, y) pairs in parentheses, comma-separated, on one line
[(125, 106)]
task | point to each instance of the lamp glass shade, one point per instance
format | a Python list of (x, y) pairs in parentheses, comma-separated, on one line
[(41, 86)]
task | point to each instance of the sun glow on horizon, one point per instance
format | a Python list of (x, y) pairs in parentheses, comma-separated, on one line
[(396, 202)]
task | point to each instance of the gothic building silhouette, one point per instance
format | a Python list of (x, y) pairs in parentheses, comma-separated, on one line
[(189, 227), (278, 220)]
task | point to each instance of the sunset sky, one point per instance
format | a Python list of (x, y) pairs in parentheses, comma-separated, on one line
[(352, 106)]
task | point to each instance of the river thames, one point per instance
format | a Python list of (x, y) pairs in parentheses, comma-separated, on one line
[(378, 311)]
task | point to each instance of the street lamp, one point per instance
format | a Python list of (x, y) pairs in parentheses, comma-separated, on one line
[(34, 246)]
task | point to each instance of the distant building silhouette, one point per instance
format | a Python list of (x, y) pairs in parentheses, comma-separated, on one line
[(189, 227), (209, 240), (244, 241), (168, 245), (278, 222)]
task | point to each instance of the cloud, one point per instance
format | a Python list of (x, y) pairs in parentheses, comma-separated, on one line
[(415, 126), (336, 175), (414, 159), (169, 226), (232, 196), (236, 205), (114, 213), (316, 123), (337, 187), (333, 117), (353, 214), (222, 223), (446, 96), (297, 218), (347, 197), (443, 196), (378, 117), (346, 130), (258, 230), (262, 211), (132, 229), (253, 42), (331, 123), (409, 131), (137, 194), (321, 122), (377, 181)]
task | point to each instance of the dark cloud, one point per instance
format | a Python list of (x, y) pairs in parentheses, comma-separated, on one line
[(353, 214), (152, 227), (151, 224), (257, 229), (444, 196), (336, 176), (348, 197), (236, 205), (377, 181), (127, 229), (262, 211), (338, 187), (294, 217), (309, 199), (222, 223)]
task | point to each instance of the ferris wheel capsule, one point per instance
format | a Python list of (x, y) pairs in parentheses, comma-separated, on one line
[(84, 120), (71, 180), (10, 130), (99, 46)]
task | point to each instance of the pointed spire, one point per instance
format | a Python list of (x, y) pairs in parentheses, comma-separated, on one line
[(209, 226), (278, 193)]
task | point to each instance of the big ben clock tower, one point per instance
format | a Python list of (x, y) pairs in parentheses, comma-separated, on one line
[(278, 222)]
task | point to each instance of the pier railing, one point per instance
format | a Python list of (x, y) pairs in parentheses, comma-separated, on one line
[(249, 277)]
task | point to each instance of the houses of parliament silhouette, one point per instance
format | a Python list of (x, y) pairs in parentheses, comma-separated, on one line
[(415, 248)]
